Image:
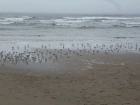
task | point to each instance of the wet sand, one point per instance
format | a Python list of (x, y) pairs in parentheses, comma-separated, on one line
[(96, 81)]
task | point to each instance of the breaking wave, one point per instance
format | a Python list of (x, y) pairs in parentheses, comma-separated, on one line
[(86, 22), (11, 20)]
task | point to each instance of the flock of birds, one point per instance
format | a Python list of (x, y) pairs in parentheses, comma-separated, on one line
[(45, 54)]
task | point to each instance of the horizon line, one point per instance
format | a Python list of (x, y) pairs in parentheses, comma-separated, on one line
[(74, 13)]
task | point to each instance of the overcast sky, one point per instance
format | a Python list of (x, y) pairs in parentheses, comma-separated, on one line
[(70, 6)]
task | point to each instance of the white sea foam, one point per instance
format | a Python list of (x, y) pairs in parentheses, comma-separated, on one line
[(5, 23), (13, 19), (133, 23), (67, 21), (16, 19), (62, 22), (101, 17)]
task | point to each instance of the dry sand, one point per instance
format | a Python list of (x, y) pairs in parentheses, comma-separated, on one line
[(99, 84)]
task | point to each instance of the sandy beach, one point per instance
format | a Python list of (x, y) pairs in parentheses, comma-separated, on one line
[(95, 83)]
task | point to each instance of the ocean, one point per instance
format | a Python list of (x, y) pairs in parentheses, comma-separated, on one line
[(66, 42), (20, 29)]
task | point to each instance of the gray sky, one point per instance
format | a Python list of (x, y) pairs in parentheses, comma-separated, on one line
[(71, 6)]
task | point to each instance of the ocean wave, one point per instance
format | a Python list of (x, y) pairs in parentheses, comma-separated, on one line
[(61, 21), (74, 22), (106, 22), (68, 21), (133, 23), (15, 19), (101, 18), (5, 23), (85, 25)]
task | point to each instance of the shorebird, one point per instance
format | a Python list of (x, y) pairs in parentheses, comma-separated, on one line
[(12, 48), (45, 59), (63, 46)]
